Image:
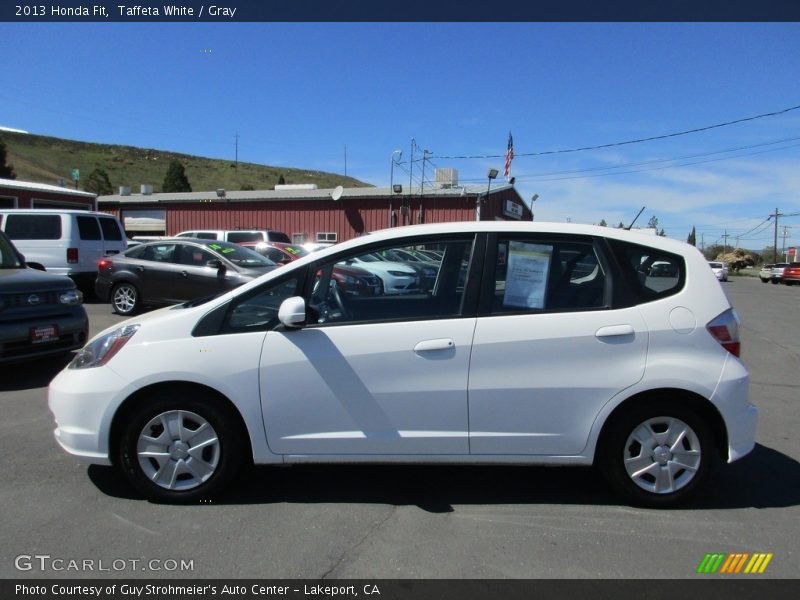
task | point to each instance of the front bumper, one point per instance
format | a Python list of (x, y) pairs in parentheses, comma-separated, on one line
[(83, 402)]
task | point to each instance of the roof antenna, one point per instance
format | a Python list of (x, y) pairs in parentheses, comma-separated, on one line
[(628, 228)]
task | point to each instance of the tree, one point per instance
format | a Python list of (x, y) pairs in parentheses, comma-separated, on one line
[(653, 224), (692, 239), (175, 179), (6, 170), (281, 180), (98, 183), (246, 187), (621, 225), (712, 251), (603, 223)]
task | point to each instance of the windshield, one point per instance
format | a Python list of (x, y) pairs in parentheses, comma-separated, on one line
[(241, 256), (8, 258)]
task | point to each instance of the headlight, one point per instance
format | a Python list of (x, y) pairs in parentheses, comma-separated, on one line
[(100, 351), (70, 297), (401, 274)]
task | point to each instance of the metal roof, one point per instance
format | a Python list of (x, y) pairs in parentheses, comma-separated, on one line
[(43, 187), (282, 195)]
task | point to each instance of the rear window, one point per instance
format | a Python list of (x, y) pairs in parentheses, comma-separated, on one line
[(88, 229), (237, 237), (715, 265), (110, 229), (33, 227), (278, 236), (649, 273)]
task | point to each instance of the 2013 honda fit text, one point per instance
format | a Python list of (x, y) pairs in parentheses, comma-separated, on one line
[(541, 344)]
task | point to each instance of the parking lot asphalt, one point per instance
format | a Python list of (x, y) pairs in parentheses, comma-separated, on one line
[(406, 522)]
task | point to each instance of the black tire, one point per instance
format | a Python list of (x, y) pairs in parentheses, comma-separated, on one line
[(765, 281), (125, 298), (194, 463), (775, 281), (618, 452)]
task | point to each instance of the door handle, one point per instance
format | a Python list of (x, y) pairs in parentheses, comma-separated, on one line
[(614, 331), (184, 273), (440, 344), (140, 269)]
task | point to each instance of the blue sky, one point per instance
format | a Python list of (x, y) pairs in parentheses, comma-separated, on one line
[(298, 93)]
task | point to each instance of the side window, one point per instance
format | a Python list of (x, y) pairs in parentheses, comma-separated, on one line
[(110, 229), (187, 234), (88, 229), (381, 286), (33, 227), (237, 237), (533, 275), (650, 273), (205, 235), (192, 255), (160, 253), (258, 310), (137, 252)]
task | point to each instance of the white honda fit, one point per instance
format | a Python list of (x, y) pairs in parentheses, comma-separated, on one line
[(538, 343)]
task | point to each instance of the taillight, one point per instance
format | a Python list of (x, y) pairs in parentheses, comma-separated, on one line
[(103, 264), (725, 329), (72, 255)]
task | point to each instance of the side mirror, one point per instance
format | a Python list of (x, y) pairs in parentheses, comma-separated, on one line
[(292, 312), (214, 263)]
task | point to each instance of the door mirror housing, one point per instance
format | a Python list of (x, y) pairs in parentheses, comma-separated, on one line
[(214, 263), (292, 312)]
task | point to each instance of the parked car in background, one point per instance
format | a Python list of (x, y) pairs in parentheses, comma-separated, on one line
[(720, 270), (397, 277), (278, 252), (791, 273), (531, 360), (765, 274), (64, 242), (41, 314), (776, 275), (237, 236), (176, 270)]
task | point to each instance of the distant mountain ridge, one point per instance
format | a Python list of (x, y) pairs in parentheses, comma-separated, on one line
[(44, 159)]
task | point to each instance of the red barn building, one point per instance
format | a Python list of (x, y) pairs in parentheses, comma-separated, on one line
[(26, 194), (311, 215)]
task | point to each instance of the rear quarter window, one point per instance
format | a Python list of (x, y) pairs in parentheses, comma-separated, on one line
[(33, 227), (111, 230), (648, 273), (88, 229)]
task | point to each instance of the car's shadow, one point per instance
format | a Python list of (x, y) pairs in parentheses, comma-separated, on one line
[(34, 374), (757, 481)]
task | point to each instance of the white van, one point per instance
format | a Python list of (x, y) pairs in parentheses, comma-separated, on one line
[(65, 242)]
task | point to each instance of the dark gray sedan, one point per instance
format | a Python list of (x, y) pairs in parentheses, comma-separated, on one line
[(173, 271)]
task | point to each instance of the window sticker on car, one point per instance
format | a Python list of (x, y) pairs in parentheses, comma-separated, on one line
[(228, 250), (528, 268)]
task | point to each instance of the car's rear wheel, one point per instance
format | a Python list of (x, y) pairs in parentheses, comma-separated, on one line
[(180, 448), (775, 281), (657, 454), (125, 298)]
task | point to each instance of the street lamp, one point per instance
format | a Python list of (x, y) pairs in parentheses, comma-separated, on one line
[(492, 174), (534, 198), (392, 186)]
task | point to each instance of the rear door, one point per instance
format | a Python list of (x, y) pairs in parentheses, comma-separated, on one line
[(548, 351), (91, 247), (113, 237)]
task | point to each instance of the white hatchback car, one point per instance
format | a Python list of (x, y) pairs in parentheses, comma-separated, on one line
[(720, 270), (538, 344)]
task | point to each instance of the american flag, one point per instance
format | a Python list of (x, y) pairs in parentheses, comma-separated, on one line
[(509, 155)]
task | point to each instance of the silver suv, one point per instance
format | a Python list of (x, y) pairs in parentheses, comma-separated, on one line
[(41, 314)]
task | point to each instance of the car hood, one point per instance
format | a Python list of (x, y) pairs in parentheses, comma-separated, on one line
[(17, 281)]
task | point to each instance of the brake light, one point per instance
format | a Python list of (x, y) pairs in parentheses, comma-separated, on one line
[(72, 255), (103, 264), (725, 329)]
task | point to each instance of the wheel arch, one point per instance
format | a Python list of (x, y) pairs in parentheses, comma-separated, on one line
[(125, 410), (703, 407)]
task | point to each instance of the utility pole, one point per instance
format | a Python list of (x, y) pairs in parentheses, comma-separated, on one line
[(786, 229), (345, 160), (725, 242), (237, 151), (775, 239)]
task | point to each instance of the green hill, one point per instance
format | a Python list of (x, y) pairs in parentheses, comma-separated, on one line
[(44, 159)]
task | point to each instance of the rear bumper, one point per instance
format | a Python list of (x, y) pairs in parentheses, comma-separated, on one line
[(741, 417)]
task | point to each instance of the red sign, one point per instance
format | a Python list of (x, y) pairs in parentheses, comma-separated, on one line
[(791, 251), (42, 335)]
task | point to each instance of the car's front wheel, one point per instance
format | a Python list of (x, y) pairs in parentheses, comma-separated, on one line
[(180, 448), (657, 454), (125, 298)]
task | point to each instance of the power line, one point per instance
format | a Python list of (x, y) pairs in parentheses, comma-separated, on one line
[(636, 141)]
